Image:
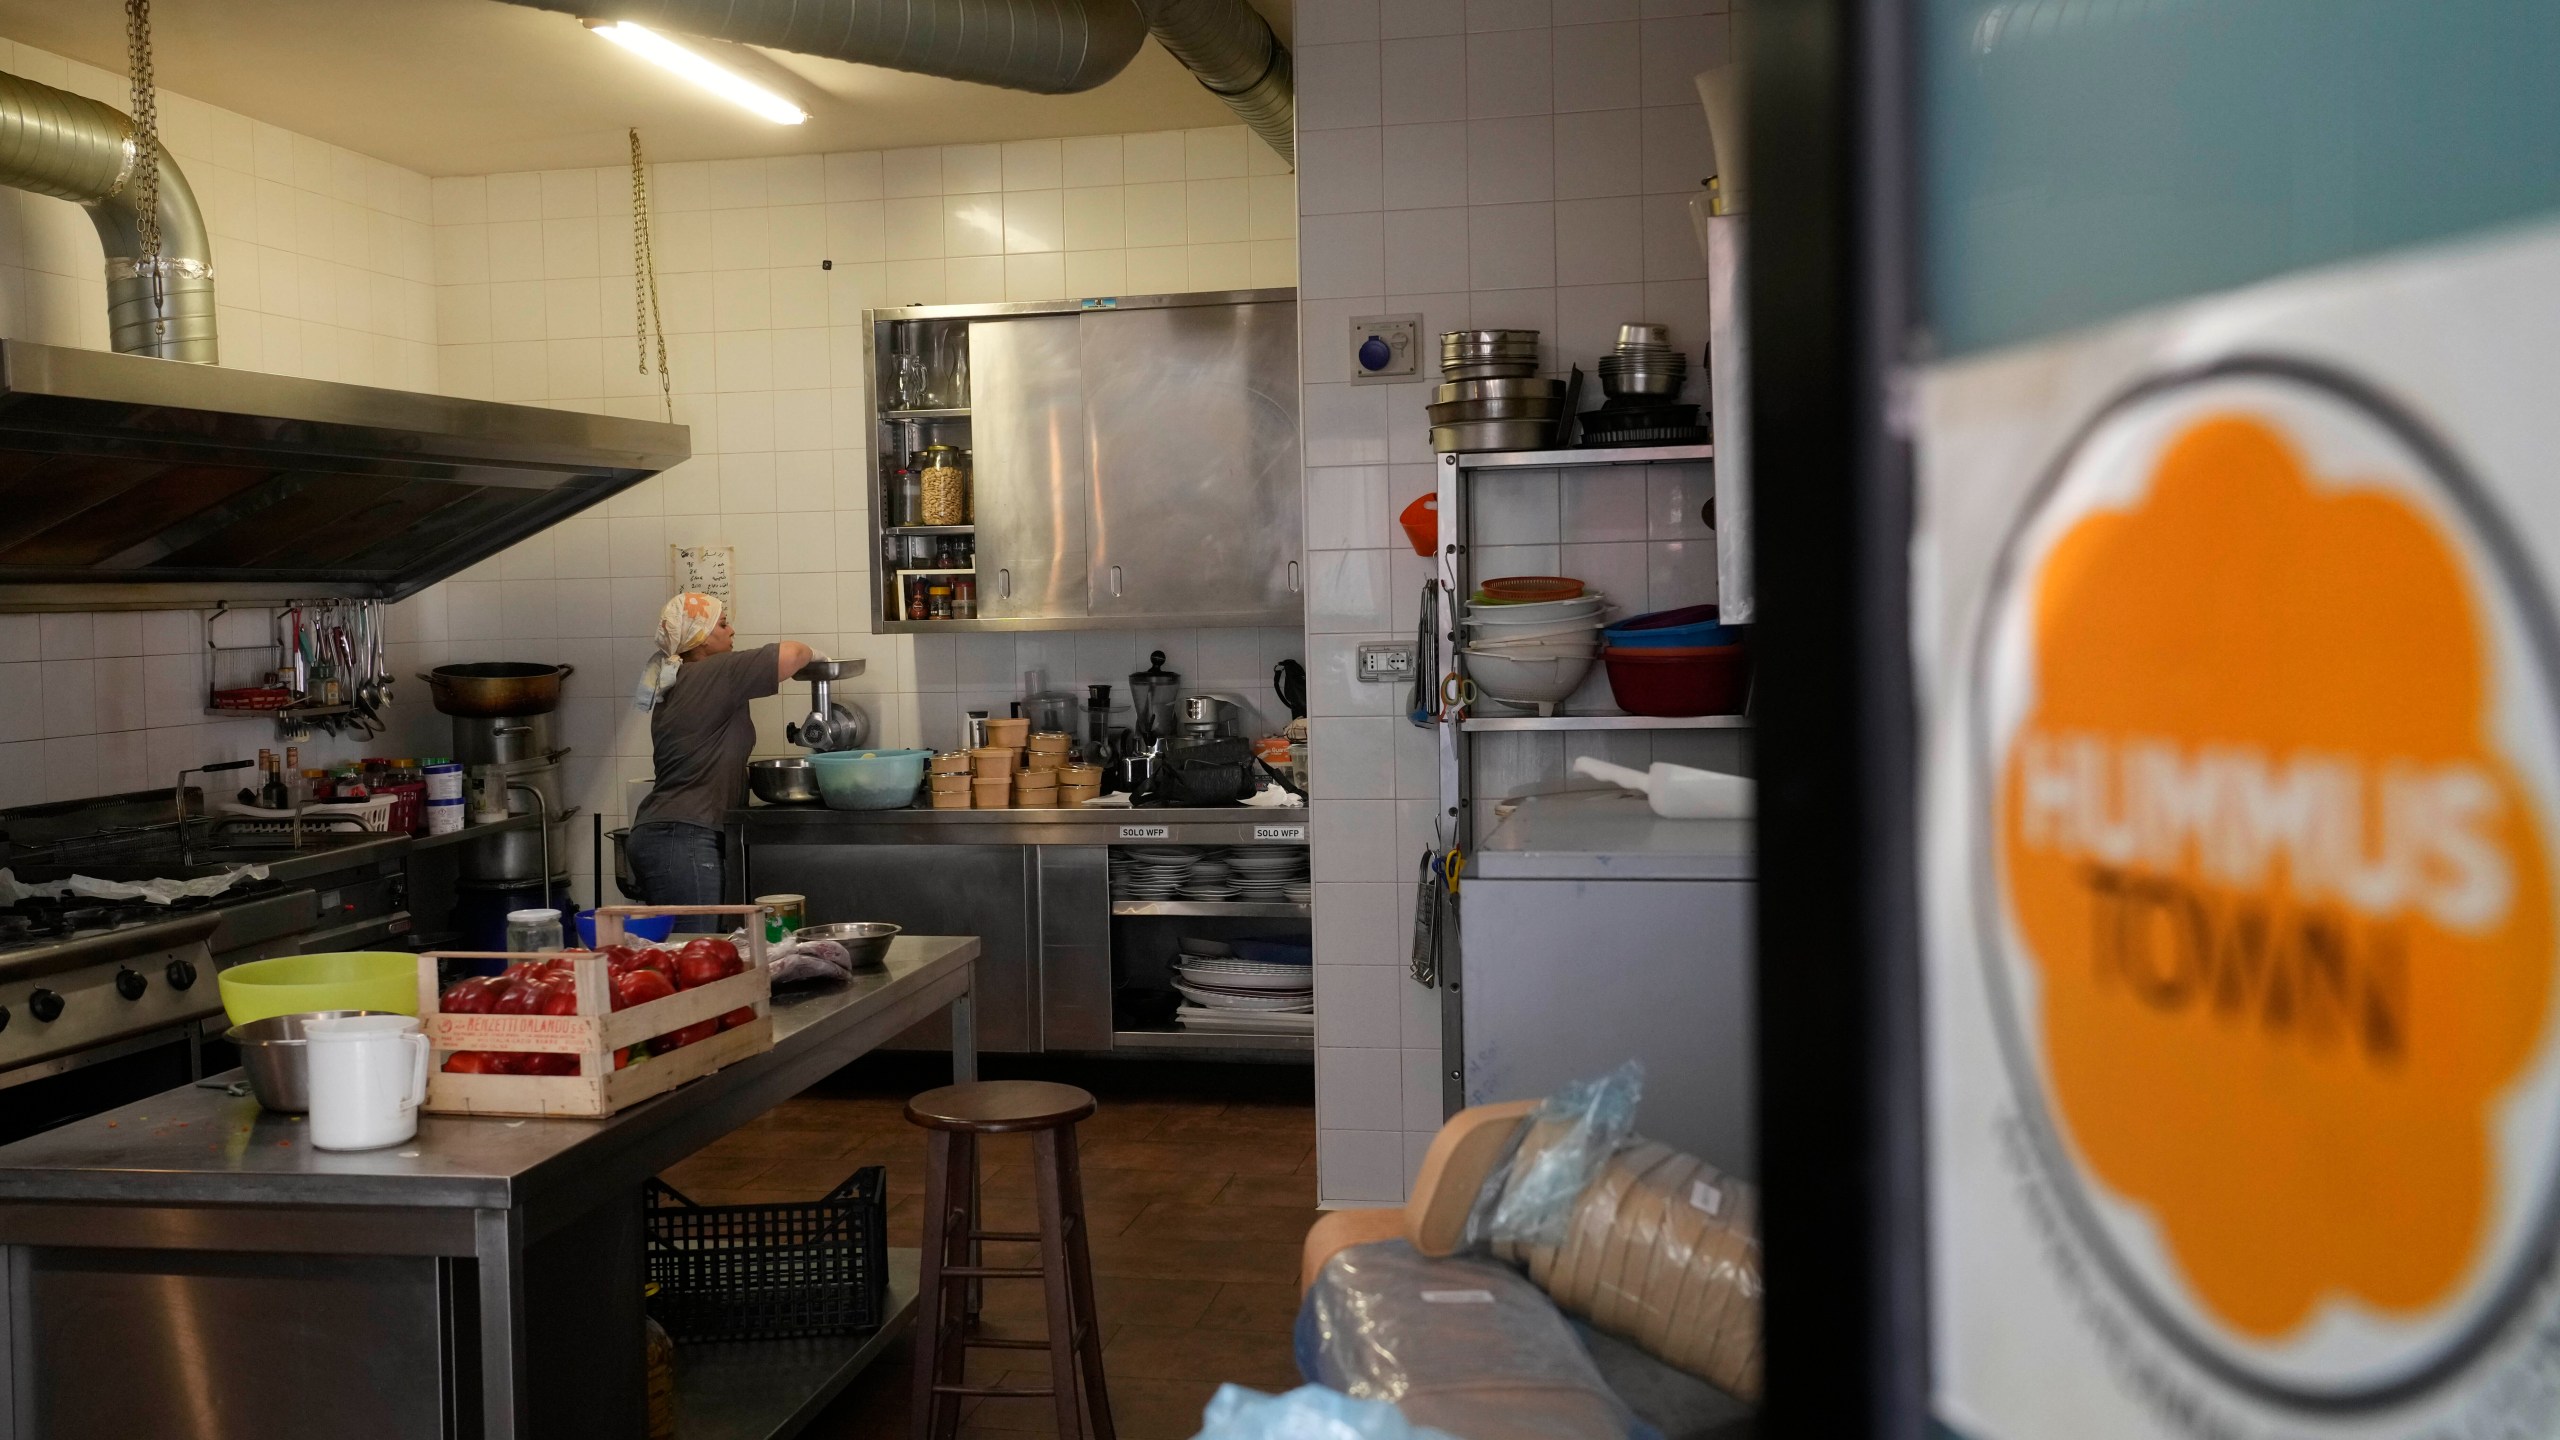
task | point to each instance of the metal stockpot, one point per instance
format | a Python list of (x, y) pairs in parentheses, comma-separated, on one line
[(492, 688)]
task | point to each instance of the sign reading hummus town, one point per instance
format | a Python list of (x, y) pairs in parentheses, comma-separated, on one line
[(2265, 731)]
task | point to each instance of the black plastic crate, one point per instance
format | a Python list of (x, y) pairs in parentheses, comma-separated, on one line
[(741, 1272)]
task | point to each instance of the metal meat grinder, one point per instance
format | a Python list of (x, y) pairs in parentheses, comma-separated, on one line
[(830, 724)]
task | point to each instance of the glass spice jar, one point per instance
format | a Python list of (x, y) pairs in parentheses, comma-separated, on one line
[(945, 483)]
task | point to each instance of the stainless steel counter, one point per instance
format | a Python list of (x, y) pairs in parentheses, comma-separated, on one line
[(1072, 825), (1033, 885), (178, 1222)]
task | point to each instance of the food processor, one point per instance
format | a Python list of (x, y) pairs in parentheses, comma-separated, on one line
[(830, 724)]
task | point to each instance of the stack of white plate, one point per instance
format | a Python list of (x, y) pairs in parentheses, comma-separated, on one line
[(1223, 983), (1533, 655), (1151, 872), (1264, 876), (1209, 879)]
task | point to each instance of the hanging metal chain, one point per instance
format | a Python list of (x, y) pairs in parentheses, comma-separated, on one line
[(146, 150), (645, 319)]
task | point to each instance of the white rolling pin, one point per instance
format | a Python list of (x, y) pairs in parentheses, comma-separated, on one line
[(1677, 792)]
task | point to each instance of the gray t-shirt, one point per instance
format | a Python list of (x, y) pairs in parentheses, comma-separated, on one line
[(702, 735)]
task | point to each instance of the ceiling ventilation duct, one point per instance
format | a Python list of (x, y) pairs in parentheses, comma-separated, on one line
[(1048, 47), (74, 148), (1231, 48)]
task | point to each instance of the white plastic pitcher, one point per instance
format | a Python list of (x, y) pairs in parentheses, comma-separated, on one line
[(368, 1078)]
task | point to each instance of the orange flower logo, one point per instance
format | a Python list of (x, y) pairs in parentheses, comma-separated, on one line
[(2273, 880)]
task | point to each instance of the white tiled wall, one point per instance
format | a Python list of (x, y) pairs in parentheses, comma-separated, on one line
[(1494, 163), (324, 268), (765, 266)]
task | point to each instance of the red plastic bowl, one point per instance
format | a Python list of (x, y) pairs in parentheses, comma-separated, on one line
[(1709, 681)]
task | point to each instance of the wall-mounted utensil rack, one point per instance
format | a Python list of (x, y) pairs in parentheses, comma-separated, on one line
[(325, 666)]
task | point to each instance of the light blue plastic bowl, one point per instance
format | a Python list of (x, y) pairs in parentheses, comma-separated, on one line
[(869, 779)]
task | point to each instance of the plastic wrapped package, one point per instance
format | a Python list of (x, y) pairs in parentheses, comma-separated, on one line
[(1570, 1136), (1310, 1412), (1663, 1249), (1469, 1346)]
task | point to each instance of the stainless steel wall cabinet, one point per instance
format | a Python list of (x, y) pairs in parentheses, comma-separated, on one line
[(1132, 460)]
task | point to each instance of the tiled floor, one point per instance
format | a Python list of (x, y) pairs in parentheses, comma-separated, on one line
[(1199, 1182)]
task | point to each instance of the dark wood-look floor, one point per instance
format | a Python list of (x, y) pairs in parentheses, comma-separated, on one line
[(1199, 1183)]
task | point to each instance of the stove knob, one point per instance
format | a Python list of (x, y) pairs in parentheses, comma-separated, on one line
[(182, 974), (44, 1005), (130, 984)]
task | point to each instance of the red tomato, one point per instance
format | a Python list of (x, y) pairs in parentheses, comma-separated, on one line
[(735, 1018), (691, 1034), (475, 996), (699, 967), (471, 1062), (639, 987)]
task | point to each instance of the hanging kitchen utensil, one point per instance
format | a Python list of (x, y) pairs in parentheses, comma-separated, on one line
[(1435, 911), (1289, 681), (1422, 706)]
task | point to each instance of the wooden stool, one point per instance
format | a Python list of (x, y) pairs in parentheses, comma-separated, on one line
[(945, 1332)]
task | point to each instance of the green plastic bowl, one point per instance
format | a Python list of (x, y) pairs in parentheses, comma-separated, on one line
[(869, 779), (342, 980)]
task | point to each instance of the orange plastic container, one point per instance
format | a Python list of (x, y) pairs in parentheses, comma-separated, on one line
[(1421, 522)]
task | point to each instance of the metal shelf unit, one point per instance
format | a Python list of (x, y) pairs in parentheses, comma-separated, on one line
[(1240, 909), (1456, 573), (1237, 1043), (1606, 722)]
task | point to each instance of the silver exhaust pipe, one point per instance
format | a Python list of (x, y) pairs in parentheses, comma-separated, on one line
[(1048, 47), (53, 142)]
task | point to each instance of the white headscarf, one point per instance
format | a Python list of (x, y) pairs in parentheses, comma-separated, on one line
[(687, 621)]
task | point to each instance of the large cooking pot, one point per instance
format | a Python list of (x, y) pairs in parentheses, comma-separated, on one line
[(490, 688)]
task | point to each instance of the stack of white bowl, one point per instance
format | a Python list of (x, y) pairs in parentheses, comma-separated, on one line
[(1533, 656)]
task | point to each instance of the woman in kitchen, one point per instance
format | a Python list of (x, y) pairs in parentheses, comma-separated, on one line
[(696, 690)]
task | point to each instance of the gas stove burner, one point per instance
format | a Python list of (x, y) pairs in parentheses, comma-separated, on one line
[(49, 917)]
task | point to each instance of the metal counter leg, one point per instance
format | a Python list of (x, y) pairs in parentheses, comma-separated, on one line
[(964, 1069), (964, 1040), (498, 1247)]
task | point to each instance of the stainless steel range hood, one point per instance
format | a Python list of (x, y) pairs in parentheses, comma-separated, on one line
[(134, 483)]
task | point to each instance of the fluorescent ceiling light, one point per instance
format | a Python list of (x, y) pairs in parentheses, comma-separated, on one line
[(725, 83)]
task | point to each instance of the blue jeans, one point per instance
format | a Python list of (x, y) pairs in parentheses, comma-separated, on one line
[(678, 864)]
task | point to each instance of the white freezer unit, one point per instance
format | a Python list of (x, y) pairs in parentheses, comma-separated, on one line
[(1592, 931)]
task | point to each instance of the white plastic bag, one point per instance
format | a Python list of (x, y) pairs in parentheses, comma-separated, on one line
[(1310, 1412)]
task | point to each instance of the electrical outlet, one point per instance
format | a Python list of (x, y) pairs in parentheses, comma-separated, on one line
[(1386, 663), (1384, 348)]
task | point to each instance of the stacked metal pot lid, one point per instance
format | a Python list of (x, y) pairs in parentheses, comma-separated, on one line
[(1490, 396), (1642, 379)]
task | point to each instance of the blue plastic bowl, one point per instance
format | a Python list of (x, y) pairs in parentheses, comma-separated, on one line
[(1691, 627), (1677, 637), (638, 927), (869, 779)]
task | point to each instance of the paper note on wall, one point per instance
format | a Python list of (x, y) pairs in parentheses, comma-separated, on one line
[(711, 569)]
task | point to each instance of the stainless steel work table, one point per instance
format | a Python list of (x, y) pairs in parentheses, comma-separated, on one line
[(182, 1186), (1035, 886), (1059, 825)]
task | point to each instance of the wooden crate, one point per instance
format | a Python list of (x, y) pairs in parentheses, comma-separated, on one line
[(596, 1031)]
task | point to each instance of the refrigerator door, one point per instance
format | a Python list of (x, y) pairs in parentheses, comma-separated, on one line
[(1568, 978)]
